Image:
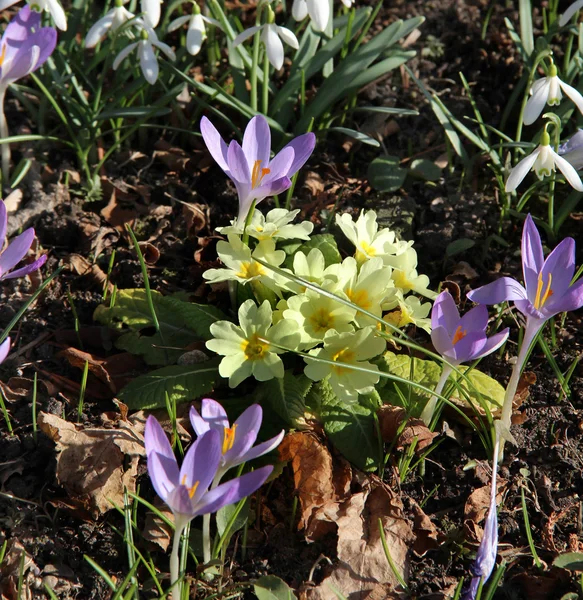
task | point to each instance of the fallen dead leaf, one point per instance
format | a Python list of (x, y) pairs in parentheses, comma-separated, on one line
[(155, 529), (83, 267), (196, 217), (426, 535), (94, 465), (476, 508), (11, 585), (314, 182), (150, 253), (391, 419)]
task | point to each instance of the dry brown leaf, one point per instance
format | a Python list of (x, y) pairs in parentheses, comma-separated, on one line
[(426, 535), (196, 217), (10, 569), (314, 182), (95, 466), (155, 529), (362, 564), (83, 267), (391, 419), (150, 253), (476, 509)]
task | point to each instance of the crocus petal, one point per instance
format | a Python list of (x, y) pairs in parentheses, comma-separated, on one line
[(319, 11), (199, 425), (237, 161), (264, 447), (569, 172), (303, 146), (493, 343), (247, 426), (3, 223), (99, 30), (16, 251), (234, 490), (498, 291), (574, 94), (300, 10), (288, 37), (257, 142), (271, 188), (441, 341), (215, 143), (156, 440), (178, 23), (566, 16), (58, 14), (164, 474), (181, 504), (571, 300), (33, 266), (214, 414), (532, 255), (273, 46), (21, 25), (201, 463), (245, 35), (536, 102), (148, 62), (445, 313), (280, 165), (475, 319), (470, 346), (4, 349), (521, 170), (557, 272), (123, 55)]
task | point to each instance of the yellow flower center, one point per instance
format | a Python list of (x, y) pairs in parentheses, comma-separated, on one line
[(258, 174), (346, 355), (365, 252), (399, 317), (459, 334), (254, 349), (321, 320), (191, 490), (229, 438), (3, 55), (250, 269), (401, 281), (540, 298), (360, 298)]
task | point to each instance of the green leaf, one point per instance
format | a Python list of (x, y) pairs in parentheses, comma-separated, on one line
[(482, 389), (326, 243), (570, 560), (459, 246), (181, 323), (181, 383), (356, 135), (270, 587), (426, 169), (286, 396), (526, 32), (225, 514), (350, 427), (385, 174)]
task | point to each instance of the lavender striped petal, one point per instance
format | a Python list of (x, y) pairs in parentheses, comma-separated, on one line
[(257, 142), (215, 143), (16, 251), (532, 255), (303, 146), (4, 349), (156, 440), (34, 266), (201, 463), (164, 475), (498, 291)]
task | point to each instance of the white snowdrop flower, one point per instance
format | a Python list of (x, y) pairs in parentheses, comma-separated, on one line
[(547, 90), (319, 11), (51, 6), (348, 3), (146, 54), (151, 10), (196, 34), (270, 36), (566, 16), (112, 21), (543, 161)]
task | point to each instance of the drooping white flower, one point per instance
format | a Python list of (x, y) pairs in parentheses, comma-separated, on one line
[(348, 3), (547, 90), (566, 16), (270, 36), (319, 11), (51, 6), (151, 10), (146, 54), (112, 21), (543, 161), (196, 34)]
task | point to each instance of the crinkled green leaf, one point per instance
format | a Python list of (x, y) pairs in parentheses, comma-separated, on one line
[(225, 514), (181, 383), (270, 587), (286, 396), (326, 243), (385, 174), (426, 169), (181, 323), (570, 560)]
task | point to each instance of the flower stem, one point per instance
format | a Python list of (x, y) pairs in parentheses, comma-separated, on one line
[(265, 103), (4, 134), (255, 62), (429, 409), (206, 523), (176, 588)]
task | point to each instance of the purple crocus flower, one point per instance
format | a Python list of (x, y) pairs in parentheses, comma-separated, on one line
[(488, 548), (572, 150), (255, 175), (462, 339), (237, 441), (4, 349), (186, 489), (16, 250), (24, 47)]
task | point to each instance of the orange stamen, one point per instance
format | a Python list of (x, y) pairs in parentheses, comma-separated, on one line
[(229, 438), (459, 334), (539, 301), (257, 174), (3, 55), (191, 490)]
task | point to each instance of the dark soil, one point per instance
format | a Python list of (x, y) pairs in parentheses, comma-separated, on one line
[(34, 510)]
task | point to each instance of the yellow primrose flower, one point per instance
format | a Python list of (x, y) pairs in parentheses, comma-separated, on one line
[(405, 276), (366, 237), (347, 349), (247, 348), (409, 311), (238, 258), (310, 267), (317, 314), (276, 224), (368, 287)]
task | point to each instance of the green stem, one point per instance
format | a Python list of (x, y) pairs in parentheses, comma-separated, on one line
[(176, 588), (265, 103), (206, 523), (429, 409), (255, 63)]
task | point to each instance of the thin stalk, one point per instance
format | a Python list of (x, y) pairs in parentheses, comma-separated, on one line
[(523, 105), (4, 134), (429, 409), (255, 62), (206, 523), (176, 588), (265, 99)]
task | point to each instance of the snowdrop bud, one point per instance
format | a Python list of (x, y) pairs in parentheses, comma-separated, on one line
[(270, 15), (144, 35)]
